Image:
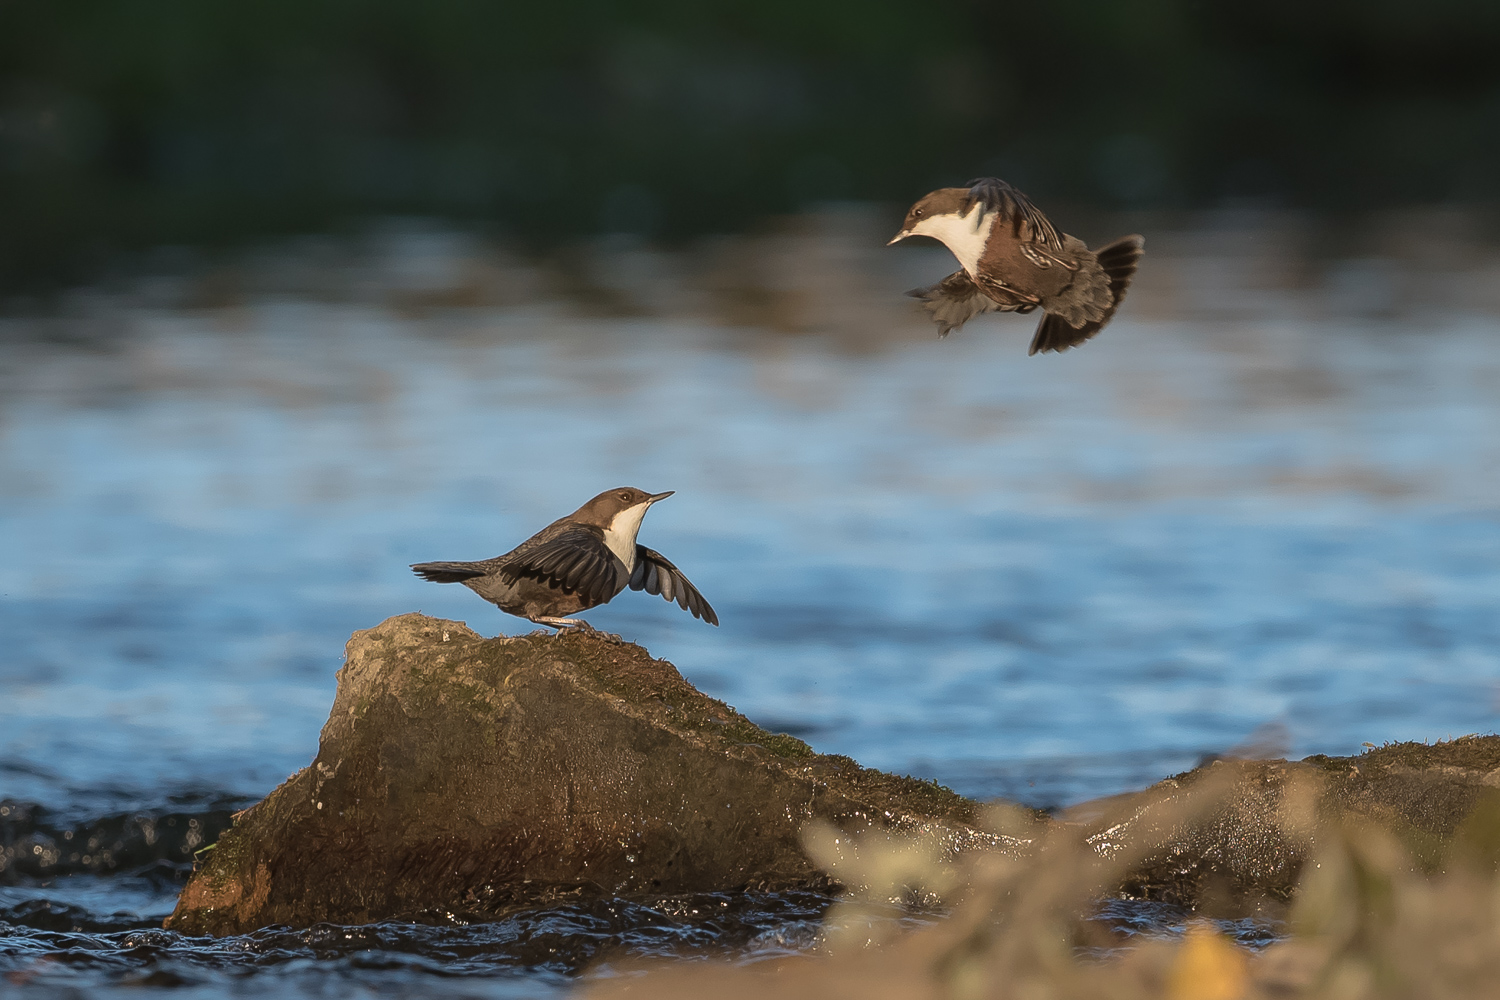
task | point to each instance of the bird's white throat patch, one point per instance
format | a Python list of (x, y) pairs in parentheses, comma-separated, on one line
[(964, 235), (620, 535)]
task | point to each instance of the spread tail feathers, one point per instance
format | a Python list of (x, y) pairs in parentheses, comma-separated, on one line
[(447, 572), (1119, 260)]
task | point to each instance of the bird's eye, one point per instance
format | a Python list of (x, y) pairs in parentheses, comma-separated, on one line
[(624, 496), (916, 213)]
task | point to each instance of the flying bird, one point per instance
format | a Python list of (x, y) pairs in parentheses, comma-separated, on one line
[(575, 563), (1015, 260)]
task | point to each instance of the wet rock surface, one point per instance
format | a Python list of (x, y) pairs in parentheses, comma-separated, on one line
[(460, 774)]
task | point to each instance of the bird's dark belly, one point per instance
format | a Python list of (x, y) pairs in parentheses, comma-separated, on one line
[(528, 598)]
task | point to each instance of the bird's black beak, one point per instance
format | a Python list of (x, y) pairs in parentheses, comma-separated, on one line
[(661, 496), (898, 238)]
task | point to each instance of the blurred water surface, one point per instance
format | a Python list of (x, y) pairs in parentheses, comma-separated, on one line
[(1260, 506)]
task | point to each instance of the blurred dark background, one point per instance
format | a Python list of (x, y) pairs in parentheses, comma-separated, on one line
[(133, 123)]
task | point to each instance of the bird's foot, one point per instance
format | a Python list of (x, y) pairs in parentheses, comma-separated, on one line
[(580, 626)]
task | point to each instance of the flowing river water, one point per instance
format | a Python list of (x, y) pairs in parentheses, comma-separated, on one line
[(1261, 507)]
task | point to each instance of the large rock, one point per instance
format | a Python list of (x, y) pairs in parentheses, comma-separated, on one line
[(467, 774)]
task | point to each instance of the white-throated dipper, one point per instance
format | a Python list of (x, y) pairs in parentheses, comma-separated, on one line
[(1014, 260), (575, 563)]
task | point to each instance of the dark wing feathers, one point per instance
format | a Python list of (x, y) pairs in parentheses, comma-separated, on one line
[(1052, 334), (575, 560), (1119, 260), (954, 301), (655, 574), (998, 196), (958, 298), (648, 575)]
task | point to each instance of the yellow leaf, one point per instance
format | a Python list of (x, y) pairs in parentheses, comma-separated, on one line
[(1208, 966)]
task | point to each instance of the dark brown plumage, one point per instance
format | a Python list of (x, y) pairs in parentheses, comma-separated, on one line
[(1015, 260), (575, 563)]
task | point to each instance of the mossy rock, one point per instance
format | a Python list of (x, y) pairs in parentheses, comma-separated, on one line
[(458, 773)]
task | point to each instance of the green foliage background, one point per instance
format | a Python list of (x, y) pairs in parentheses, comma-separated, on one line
[(134, 122)]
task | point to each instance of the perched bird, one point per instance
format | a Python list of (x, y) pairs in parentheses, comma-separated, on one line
[(1014, 260), (575, 563)]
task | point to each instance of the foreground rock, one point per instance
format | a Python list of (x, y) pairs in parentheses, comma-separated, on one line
[(1231, 837), (457, 773)]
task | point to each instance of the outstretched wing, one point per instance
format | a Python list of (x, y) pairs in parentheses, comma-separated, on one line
[(957, 299), (1029, 222), (655, 574), (575, 560)]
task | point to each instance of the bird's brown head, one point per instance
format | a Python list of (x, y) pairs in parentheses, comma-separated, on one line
[(609, 505), (927, 217)]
